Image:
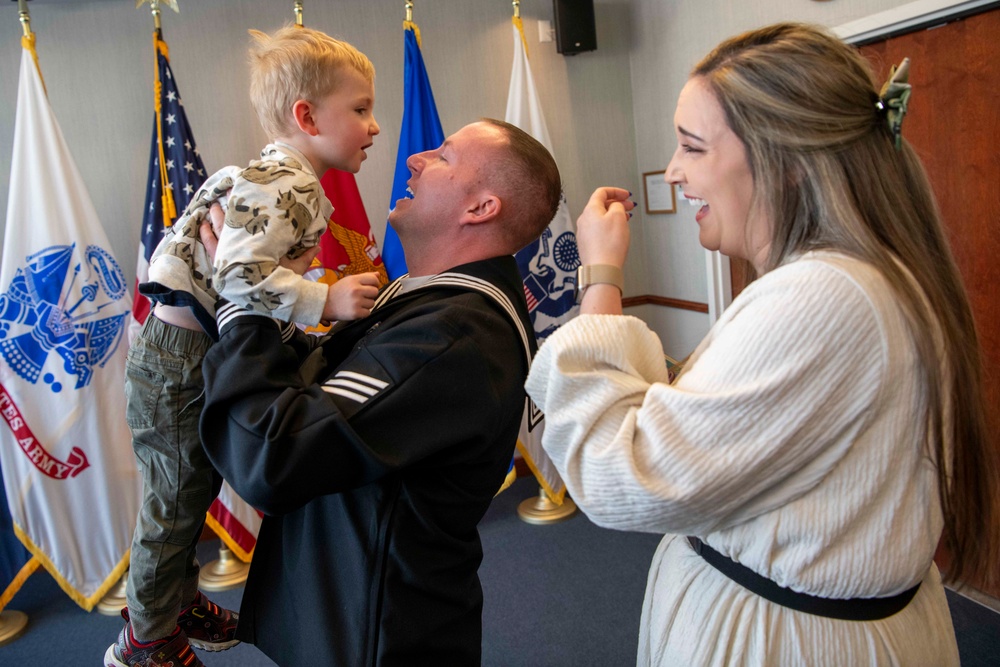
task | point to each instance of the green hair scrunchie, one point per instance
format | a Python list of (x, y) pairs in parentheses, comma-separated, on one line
[(893, 99)]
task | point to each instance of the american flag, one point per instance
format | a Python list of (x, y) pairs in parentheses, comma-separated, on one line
[(184, 173), (175, 165)]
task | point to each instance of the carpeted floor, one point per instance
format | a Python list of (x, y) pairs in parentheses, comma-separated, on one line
[(561, 595)]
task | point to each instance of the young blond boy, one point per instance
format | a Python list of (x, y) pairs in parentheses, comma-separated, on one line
[(314, 96)]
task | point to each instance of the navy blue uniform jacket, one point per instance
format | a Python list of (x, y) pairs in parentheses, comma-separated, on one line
[(373, 456)]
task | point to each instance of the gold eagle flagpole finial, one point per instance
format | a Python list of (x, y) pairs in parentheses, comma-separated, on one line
[(154, 7)]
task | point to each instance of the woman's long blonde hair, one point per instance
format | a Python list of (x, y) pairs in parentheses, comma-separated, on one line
[(827, 174)]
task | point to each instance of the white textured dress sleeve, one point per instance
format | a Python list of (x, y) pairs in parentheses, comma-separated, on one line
[(766, 406)]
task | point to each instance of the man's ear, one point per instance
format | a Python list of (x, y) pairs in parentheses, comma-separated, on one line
[(484, 208), (303, 113)]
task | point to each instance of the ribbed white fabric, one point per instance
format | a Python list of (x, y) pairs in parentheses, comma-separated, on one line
[(791, 443)]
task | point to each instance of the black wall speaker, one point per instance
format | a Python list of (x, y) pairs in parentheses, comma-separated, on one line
[(576, 30)]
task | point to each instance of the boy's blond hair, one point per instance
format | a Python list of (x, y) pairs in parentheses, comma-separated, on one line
[(296, 63)]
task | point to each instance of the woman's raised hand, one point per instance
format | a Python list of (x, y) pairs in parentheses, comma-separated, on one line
[(602, 233)]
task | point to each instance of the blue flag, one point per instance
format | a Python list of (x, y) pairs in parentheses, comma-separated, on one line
[(421, 131), (181, 166), (16, 562)]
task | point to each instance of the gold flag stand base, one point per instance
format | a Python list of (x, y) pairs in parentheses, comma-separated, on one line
[(540, 510), (112, 603), (12, 624), (223, 574)]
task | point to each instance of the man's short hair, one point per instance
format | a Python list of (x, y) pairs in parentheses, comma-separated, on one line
[(527, 180), (297, 63)]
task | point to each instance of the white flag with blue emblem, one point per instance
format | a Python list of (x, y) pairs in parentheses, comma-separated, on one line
[(69, 471), (548, 265)]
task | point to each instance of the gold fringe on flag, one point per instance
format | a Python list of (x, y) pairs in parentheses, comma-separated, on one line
[(15, 584), (28, 42), (40, 558), (227, 539), (520, 30), (408, 23), (519, 24), (167, 195)]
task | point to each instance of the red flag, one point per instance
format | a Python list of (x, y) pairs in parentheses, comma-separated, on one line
[(348, 246)]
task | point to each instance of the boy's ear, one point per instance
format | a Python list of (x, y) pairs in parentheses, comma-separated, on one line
[(484, 208), (302, 112)]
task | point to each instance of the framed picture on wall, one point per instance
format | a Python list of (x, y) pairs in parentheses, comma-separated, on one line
[(660, 195)]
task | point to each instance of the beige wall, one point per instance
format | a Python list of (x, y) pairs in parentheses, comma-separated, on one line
[(668, 38), (96, 57), (609, 112)]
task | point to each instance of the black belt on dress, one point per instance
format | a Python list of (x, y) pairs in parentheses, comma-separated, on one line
[(854, 609)]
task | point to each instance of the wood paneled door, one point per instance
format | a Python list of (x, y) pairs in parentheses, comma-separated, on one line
[(954, 124)]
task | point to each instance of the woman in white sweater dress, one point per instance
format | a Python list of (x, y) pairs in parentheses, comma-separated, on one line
[(809, 437)]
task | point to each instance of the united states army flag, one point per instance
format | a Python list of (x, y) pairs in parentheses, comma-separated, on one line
[(69, 471)]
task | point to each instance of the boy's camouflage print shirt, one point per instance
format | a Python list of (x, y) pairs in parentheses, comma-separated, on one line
[(275, 207)]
